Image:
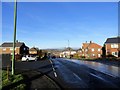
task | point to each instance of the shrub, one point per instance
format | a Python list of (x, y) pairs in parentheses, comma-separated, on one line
[(110, 55)]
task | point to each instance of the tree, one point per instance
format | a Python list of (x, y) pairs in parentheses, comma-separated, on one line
[(104, 51)]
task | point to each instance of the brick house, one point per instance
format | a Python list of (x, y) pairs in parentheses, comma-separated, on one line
[(112, 46), (20, 48), (91, 50), (33, 51)]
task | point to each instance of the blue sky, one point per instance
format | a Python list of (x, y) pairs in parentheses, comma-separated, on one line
[(51, 25)]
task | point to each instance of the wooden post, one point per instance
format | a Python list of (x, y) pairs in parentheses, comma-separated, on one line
[(7, 72)]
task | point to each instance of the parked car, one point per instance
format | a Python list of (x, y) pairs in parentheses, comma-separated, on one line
[(29, 58), (53, 57)]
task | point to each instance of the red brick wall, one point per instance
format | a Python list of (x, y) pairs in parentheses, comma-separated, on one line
[(109, 50)]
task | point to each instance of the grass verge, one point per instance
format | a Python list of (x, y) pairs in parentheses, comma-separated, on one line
[(12, 81)]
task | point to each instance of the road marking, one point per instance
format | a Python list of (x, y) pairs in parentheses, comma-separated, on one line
[(55, 74), (77, 76)]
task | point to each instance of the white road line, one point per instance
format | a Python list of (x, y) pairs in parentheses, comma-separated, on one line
[(77, 76), (55, 74)]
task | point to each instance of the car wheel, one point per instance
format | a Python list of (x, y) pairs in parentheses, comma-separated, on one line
[(27, 60)]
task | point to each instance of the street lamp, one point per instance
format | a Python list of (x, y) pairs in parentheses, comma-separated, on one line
[(14, 42)]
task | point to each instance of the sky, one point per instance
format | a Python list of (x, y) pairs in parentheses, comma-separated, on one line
[(52, 24)]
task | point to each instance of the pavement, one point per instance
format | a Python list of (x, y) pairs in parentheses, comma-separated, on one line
[(70, 74), (36, 80)]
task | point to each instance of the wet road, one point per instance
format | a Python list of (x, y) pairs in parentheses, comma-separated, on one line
[(75, 73), (78, 74)]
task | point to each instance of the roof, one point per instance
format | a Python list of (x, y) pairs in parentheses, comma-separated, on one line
[(95, 45), (9, 44), (68, 48), (91, 45), (113, 40), (33, 49), (85, 45)]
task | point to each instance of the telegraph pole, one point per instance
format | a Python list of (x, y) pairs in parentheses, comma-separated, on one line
[(68, 43), (14, 42)]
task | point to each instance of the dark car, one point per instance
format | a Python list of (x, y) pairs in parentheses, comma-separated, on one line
[(53, 57)]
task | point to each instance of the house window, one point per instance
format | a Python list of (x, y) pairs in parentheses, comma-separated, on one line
[(93, 55), (113, 53), (24, 49), (99, 55), (4, 49), (86, 50), (116, 53), (92, 49), (99, 49), (114, 45), (11, 49)]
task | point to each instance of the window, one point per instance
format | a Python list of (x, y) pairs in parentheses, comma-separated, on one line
[(11, 49), (93, 54), (114, 45), (116, 53), (113, 53), (92, 49), (24, 49), (99, 49), (99, 55), (86, 50), (4, 49)]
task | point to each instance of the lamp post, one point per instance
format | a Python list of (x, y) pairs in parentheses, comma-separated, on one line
[(14, 42)]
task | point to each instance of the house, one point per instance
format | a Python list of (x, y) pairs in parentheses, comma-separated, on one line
[(20, 48), (79, 52), (112, 46), (91, 50), (67, 52), (33, 51)]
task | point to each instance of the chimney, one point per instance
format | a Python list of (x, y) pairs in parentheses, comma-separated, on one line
[(90, 41), (16, 41)]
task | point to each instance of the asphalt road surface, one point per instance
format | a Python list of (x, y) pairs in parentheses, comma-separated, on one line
[(75, 74)]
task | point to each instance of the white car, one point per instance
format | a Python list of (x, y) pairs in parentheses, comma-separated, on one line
[(29, 58)]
